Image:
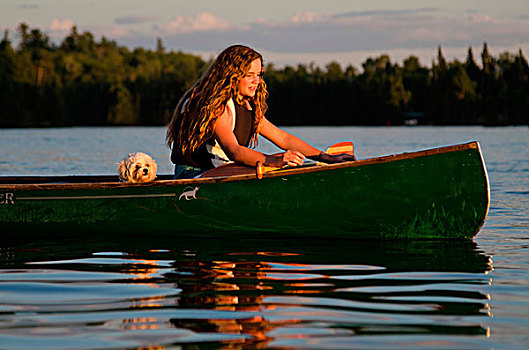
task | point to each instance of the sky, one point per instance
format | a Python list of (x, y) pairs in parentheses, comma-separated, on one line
[(288, 32)]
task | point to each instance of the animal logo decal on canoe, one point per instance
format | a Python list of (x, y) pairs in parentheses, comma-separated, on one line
[(189, 193)]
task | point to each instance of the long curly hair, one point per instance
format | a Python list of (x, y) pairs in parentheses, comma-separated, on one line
[(195, 116)]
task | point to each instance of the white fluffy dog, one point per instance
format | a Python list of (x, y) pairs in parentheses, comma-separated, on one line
[(137, 167)]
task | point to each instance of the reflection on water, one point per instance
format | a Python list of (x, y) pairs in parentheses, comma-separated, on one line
[(258, 293)]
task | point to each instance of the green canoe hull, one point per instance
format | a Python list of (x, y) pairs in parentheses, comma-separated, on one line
[(441, 193)]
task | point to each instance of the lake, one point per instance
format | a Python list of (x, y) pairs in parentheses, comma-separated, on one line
[(168, 292)]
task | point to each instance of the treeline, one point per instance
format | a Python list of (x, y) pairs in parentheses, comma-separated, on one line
[(455, 93), (85, 82)]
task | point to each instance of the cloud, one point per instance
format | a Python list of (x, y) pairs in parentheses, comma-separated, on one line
[(202, 21), (386, 29), (61, 25), (305, 17), (480, 18), (135, 19), (114, 32), (306, 34)]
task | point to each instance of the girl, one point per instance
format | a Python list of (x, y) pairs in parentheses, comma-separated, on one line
[(219, 119)]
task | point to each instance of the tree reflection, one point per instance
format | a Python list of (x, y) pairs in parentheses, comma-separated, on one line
[(372, 288)]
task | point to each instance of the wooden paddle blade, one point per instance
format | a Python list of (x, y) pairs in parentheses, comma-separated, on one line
[(345, 147)]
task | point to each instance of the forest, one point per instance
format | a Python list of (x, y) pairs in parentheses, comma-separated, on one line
[(87, 82)]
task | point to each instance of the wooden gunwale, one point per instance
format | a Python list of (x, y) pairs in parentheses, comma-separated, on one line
[(165, 183)]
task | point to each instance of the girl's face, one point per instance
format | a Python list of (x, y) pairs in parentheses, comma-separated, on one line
[(248, 83)]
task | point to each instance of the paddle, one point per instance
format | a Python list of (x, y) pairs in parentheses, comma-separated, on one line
[(345, 147)]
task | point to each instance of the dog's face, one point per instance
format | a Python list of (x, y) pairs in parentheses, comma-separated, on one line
[(137, 167)]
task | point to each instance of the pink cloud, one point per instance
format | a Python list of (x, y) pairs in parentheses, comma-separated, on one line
[(481, 18), (61, 25), (305, 17), (117, 32), (202, 21)]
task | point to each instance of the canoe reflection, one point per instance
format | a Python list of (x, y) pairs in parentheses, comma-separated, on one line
[(228, 286), (250, 293), (425, 288)]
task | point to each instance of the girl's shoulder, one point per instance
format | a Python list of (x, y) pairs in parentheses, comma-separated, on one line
[(229, 113), (231, 106)]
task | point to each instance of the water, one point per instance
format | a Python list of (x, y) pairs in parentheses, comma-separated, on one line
[(166, 292)]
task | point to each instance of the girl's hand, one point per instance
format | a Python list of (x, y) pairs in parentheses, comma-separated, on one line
[(292, 158), (336, 158)]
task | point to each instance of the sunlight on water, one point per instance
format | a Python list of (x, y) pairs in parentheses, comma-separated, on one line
[(170, 297)]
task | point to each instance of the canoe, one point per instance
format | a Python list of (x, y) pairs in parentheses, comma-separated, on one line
[(439, 193)]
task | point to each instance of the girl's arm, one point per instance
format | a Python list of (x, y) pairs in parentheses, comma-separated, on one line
[(284, 140), (295, 148)]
